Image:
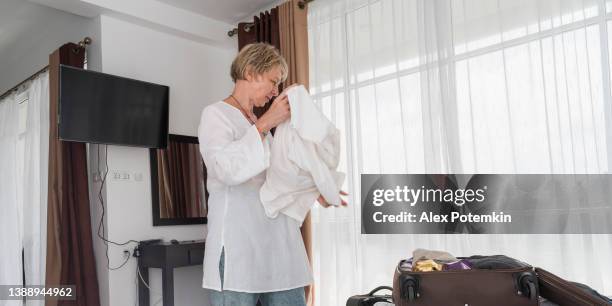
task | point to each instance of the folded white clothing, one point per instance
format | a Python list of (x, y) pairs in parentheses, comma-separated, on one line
[(303, 160)]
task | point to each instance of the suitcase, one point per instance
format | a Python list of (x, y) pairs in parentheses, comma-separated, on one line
[(371, 299), (564, 293), (514, 284)]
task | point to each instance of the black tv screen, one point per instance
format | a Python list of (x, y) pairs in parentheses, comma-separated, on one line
[(101, 108)]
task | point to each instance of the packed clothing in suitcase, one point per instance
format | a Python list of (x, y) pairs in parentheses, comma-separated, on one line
[(436, 278)]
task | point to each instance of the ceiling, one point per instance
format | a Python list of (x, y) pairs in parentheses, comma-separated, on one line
[(229, 11), (21, 18)]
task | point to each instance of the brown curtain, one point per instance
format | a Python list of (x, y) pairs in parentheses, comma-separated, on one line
[(288, 23), (166, 203), (70, 256), (181, 181), (263, 29), (294, 41)]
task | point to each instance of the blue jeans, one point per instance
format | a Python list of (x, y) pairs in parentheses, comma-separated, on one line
[(292, 297)]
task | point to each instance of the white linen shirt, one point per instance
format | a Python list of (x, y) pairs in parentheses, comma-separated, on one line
[(261, 254), (304, 158)]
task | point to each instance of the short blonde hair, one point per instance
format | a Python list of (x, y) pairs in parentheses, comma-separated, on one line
[(258, 58)]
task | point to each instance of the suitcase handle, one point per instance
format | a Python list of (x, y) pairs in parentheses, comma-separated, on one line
[(409, 287), (378, 289), (527, 287), (370, 298)]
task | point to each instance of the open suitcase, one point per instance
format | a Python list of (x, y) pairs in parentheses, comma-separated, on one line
[(501, 281), (514, 285)]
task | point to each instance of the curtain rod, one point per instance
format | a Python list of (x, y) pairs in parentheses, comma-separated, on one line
[(247, 27), (16, 87)]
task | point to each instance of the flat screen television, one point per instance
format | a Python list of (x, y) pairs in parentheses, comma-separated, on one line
[(96, 107)]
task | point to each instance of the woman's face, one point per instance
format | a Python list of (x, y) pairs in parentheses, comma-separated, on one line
[(265, 86)]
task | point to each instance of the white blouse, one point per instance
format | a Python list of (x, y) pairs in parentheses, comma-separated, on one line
[(261, 254)]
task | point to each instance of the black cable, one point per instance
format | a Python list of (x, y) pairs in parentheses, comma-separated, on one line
[(119, 267), (101, 223)]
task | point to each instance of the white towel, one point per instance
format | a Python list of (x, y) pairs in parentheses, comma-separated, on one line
[(303, 161)]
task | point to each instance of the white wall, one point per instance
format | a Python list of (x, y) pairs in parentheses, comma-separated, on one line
[(28, 50), (198, 74)]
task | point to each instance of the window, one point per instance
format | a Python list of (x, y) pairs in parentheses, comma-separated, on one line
[(456, 86)]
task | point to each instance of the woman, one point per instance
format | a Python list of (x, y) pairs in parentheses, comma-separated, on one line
[(249, 257)]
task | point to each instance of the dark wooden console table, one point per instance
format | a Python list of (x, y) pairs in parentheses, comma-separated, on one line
[(166, 256)]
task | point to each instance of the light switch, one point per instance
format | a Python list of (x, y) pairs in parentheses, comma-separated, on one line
[(120, 175)]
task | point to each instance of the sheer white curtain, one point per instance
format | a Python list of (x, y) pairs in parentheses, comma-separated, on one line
[(35, 177), (10, 225), (24, 147), (460, 86)]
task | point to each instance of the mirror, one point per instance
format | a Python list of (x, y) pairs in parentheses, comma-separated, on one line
[(178, 183)]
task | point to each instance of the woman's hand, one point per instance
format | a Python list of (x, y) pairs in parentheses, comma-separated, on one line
[(324, 203), (277, 113)]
